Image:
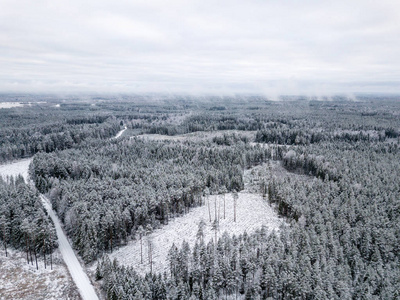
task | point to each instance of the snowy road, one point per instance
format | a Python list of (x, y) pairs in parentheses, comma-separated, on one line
[(119, 133), (78, 274)]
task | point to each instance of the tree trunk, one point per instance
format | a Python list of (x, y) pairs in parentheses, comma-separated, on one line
[(34, 251), (224, 206), (44, 253), (209, 210), (111, 239), (219, 209), (150, 249), (141, 250), (30, 251), (234, 210), (215, 208)]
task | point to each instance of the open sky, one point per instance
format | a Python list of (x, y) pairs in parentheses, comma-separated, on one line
[(225, 46)]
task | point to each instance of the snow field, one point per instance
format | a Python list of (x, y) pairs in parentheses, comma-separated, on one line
[(196, 136), (19, 280), (10, 104), (16, 168), (252, 213)]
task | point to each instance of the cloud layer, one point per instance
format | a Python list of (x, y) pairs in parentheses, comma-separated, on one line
[(271, 47)]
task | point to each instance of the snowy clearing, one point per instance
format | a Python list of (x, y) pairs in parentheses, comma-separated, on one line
[(252, 213), (10, 104), (198, 135), (19, 280), (16, 168)]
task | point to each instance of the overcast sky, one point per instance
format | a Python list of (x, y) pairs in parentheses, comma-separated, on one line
[(270, 47)]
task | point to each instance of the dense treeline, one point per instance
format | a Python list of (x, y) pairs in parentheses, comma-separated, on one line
[(24, 224), (18, 143), (103, 191), (302, 137), (343, 241)]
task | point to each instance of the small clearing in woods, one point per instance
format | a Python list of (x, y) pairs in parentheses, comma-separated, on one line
[(19, 280), (252, 211), (16, 168), (198, 135), (10, 104)]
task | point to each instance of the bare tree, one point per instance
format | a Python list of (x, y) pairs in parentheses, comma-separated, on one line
[(207, 194), (141, 232), (149, 230), (224, 191), (150, 253), (235, 198)]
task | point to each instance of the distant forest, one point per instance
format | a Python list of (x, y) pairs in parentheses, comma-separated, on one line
[(343, 235)]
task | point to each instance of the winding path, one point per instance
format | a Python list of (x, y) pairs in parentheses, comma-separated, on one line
[(79, 276), (119, 133)]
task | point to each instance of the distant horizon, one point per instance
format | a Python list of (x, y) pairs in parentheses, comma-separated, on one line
[(13, 96)]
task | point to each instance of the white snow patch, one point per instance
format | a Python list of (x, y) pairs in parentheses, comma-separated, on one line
[(10, 104), (119, 133), (19, 280), (16, 168), (198, 135), (252, 213)]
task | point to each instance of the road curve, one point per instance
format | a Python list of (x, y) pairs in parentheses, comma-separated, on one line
[(119, 133)]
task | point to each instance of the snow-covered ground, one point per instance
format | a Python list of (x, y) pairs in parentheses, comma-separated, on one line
[(252, 213), (119, 133), (19, 280), (15, 168), (198, 135), (10, 104)]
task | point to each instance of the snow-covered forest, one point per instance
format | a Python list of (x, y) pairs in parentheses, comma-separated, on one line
[(329, 169)]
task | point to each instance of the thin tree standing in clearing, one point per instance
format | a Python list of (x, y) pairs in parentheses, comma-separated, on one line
[(215, 207), (150, 253), (141, 232), (235, 198), (207, 193), (219, 207), (224, 191), (149, 230), (200, 232)]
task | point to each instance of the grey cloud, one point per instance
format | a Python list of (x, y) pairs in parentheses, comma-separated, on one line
[(268, 47)]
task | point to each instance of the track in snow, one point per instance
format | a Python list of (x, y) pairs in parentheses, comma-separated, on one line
[(119, 133), (77, 273)]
